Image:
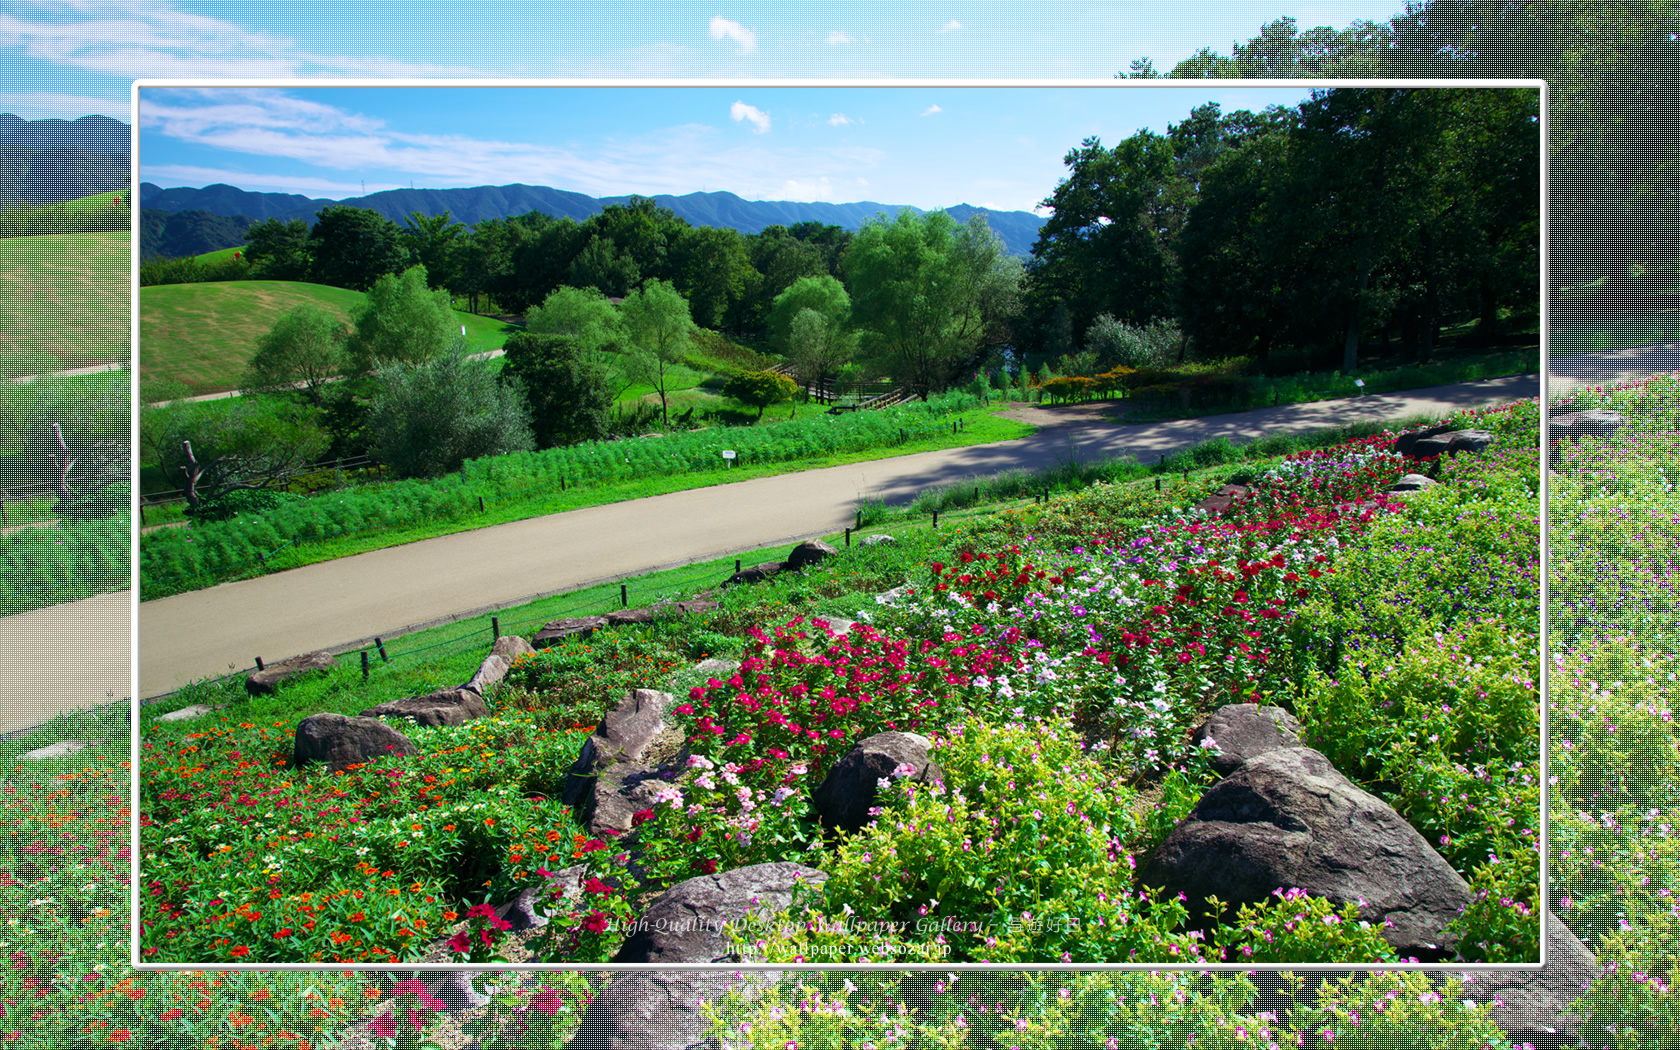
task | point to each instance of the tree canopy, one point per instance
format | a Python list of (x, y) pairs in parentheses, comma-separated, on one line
[(402, 320)]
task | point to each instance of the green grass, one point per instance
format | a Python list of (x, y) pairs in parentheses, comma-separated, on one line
[(50, 280), (203, 334), (978, 428)]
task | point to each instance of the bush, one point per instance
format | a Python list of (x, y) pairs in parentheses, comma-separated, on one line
[(1115, 342), (427, 419), (233, 503)]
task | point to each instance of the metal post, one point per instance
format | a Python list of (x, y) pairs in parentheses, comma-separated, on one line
[(936, 519), (737, 564), (481, 504), (848, 537), (624, 596), (380, 643), (495, 629)]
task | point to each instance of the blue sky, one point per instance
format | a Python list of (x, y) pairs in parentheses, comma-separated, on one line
[(68, 59), (930, 146)]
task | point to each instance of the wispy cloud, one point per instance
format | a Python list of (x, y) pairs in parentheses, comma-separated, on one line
[(950, 27), (277, 125), (840, 36), (839, 120), (167, 175), (760, 120), (721, 28), (41, 105), (931, 110), (119, 39)]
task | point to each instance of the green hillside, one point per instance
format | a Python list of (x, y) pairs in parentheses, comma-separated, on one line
[(203, 334), (63, 300)]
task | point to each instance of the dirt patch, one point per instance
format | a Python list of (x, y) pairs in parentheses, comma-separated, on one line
[(1106, 411)]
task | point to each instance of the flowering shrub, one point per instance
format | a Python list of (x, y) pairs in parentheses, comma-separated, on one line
[(1293, 926), (715, 821)]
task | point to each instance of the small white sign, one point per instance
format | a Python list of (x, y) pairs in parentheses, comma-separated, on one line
[(1359, 383), (463, 329), (728, 453)]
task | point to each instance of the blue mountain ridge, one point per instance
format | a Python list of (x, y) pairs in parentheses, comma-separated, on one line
[(1017, 229)]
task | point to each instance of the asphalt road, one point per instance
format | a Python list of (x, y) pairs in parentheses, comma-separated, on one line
[(64, 658), (337, 604)]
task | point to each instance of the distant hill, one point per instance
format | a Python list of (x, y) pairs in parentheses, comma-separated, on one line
[(1017, 229), (52, 161), (172, 235)]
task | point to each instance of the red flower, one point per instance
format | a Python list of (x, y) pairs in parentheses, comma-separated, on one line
[(596, 922)]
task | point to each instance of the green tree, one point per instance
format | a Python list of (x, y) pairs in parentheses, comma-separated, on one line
[(212, 448), (304, 349), (930, 297), (760, 389), (434, 242), (428, 418), (822, 293), (402, 320), (354, 247), (711, 268), (661, 328), (595, 327), (567, 387), (817, 347), (278, 251)]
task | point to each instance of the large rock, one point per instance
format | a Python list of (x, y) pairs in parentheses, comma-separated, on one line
[(1533, 1004), (1412, 483), (495, 667), (1594, 423), (880, 539), (1244, 731), (443, 707), (689, 923), (659, 611), (844, 798), (811, 552), (1221, 501), (571, 626), (1287, 819), (627, 734), (1406, 443), (273, 676), (755, 574), (661, 1009), (1438, 442), (1471, 441), (340, 741)]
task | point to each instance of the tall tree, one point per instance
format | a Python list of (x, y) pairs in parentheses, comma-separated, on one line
[(433, 241), (278, 251), (428, 418), (566, 387), (929, 297), (354, 247), (304, 349), (711, 268), (402, 320), (659, 322)]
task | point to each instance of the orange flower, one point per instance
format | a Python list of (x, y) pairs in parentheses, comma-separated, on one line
[(239, 1020)]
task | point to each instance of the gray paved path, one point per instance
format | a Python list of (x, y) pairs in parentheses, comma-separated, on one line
[(64, 658), (387, 592)]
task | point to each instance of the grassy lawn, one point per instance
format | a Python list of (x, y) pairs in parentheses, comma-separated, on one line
[(203, 334), (63, 301)]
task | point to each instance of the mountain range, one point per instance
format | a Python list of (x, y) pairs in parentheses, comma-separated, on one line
[(49, 161), (1017, 229)]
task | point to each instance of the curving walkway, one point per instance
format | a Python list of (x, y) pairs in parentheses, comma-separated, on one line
[(334, 605)]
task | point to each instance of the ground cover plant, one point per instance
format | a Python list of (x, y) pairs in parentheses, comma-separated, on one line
[(1612, 755), (1084, 635), (523, 485)]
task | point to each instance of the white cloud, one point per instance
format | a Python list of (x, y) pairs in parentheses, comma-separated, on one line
[(840, 36), (950, 27), (745, 39), (931, 110), (760, 119), (42, 105), (840, 119), (119, 39), (818, 189)]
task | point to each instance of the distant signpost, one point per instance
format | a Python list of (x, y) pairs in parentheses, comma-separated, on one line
[(729, 457)]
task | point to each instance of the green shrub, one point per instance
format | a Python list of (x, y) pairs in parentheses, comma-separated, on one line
[(234, 502)]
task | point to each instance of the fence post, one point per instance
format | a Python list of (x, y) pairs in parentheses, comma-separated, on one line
[(624, 596), (495, 629), (380, 643), (737, 564), (848, 537), (860, 518), (936, 519), (481, 504), (259, 663), (364, 665)]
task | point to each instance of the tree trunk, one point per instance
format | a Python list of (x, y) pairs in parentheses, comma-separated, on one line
[(63, 462), (1350, 342), (192, 472)]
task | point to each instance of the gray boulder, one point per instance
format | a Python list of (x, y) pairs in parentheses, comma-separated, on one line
[(1534, 1003), (1406, 444), (273, 676), (660, 1009), (755, 574), (1412, 483), (1287, 819), (627, 734), (1594, 423), (444, 707), (1243, 731), (568, 627), (495, 667), (811, 552), (1470, 441), (339, 741), (844, 798), (690, 922), (880, 539)]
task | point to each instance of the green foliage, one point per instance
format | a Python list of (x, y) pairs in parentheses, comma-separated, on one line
[(191, 270), (402, 321), (823, 293), (354, 247), (567, 389), (661, 328), (1115, 342), (426, 419), (234, 502), (210, 447), (304, 348), (278, 251), (760, 389)]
